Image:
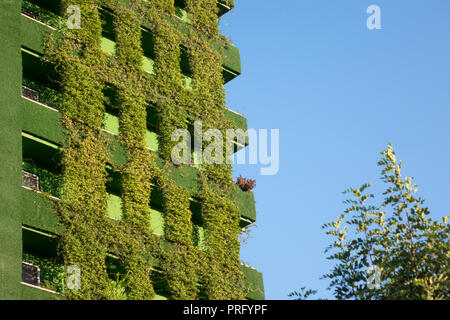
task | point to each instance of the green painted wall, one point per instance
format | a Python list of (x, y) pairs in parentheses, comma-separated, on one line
[(10, 151), (30, 130)]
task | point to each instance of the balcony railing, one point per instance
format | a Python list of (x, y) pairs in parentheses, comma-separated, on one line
[(31, 274), (30, 180), (31, 94), (30, 14)]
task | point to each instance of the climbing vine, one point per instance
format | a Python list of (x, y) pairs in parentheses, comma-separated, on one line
[(84, 159), (90, 234)]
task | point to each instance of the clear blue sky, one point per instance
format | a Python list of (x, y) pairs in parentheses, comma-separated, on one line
[(338, 93)]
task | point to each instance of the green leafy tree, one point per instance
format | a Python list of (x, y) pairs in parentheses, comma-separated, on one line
[(389, 250)]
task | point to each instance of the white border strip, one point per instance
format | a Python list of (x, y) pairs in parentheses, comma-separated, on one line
[(41, 104), (40, 288), (44, 24), (40, 192)]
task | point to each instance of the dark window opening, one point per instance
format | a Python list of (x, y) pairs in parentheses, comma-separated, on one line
[(148, 44), (107, 18), (184, 62)]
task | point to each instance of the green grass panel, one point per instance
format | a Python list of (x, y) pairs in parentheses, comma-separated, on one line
[(245, 201), (186, 177), (111, 123), (108, 45), (119, 154), (239, 120), (188, 82), (148, 65), (39, 211), (33, 34), (114, 206), (41, 121), (255, 282), (182, 14), (33, 293), (152, 140), (157, 222), (199, 237), (231, 57)]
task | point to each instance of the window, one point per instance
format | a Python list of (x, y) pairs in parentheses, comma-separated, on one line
[(31, 274)]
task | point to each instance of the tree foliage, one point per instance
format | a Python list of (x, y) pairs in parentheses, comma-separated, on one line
[(396, 237)]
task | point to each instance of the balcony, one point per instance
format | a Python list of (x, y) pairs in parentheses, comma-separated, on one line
[(40, 253), (37, 88), (41, 269), (43, 122)]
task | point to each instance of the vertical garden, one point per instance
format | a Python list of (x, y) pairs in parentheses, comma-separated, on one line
[(91, 238)]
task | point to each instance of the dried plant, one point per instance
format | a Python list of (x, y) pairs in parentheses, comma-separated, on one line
[(246, 184)]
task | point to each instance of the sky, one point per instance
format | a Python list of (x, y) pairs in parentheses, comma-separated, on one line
[(338, 92)]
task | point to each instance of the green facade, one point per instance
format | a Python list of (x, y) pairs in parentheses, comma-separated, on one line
[(31, 137)]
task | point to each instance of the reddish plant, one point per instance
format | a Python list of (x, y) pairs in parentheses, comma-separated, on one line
[(245, 184)]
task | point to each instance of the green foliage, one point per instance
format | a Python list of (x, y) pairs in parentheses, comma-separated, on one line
[(411, 250), (303, 294), (90, 235), (223, 275), (204, 15)]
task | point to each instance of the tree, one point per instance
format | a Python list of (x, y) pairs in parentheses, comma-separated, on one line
[(392, 250)]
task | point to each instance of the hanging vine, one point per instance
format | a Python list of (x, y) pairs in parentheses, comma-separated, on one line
[(84, 156), (137, 173)]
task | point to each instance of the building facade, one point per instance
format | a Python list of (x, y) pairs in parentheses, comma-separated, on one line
[(91, 92)]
